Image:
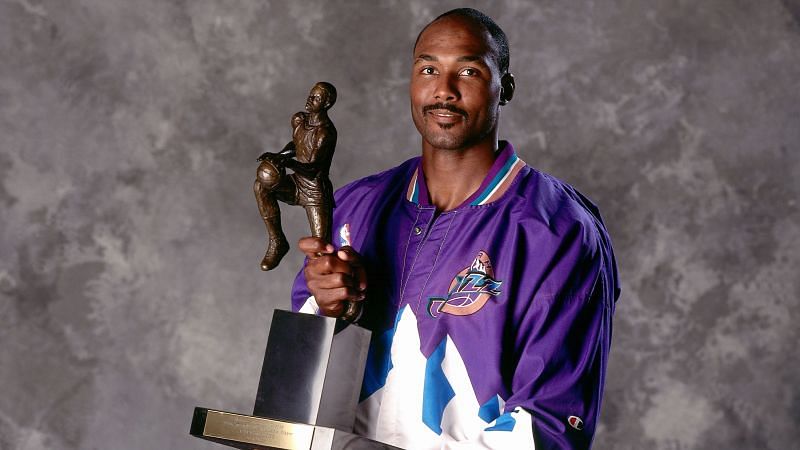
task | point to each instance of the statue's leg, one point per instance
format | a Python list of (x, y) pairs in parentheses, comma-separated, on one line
[(264, 188), (319, 219)]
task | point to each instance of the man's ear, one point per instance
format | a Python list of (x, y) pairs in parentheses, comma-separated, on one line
[(507, 87)]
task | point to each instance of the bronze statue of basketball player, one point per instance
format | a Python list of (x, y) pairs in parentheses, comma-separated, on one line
[(309, 156)]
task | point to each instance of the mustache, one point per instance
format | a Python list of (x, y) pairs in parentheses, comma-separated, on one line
[(445, 106)]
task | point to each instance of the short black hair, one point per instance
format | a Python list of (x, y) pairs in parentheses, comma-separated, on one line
[(497, 33)]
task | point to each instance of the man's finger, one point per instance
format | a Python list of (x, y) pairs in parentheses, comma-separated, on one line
[(326, 264), (313, 246), (330, 296), (335, 280), (347, 253), (361, 278), (331, 310)]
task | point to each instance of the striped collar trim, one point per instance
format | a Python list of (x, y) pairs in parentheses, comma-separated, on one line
[(412, 194), (499, 183), (502, 174)]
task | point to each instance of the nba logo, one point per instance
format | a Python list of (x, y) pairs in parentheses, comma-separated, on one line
[(344, 235)]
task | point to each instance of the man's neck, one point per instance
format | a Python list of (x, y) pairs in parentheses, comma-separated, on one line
[(452, 176)]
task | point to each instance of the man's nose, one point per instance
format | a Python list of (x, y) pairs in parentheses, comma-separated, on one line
[(446, 89)]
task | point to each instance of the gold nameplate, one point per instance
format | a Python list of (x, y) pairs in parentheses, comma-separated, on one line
[(257, 430)]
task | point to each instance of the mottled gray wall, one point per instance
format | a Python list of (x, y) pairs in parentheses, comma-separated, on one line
[(129, 239)]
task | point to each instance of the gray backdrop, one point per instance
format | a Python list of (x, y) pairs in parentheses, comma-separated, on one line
[(130, 240)]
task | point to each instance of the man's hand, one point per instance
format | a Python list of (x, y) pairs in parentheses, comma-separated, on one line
[(333, 278)]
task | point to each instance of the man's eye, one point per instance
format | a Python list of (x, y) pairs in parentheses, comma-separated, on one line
[(469, 72), (428, 71)]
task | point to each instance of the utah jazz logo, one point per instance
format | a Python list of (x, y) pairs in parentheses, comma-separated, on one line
[(469, 290)]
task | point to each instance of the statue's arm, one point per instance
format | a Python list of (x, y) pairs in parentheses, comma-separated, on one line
[(309, 170), (289, 151)]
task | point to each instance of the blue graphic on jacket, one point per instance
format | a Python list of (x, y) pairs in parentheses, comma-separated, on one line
[(437, 391), (379, 360)]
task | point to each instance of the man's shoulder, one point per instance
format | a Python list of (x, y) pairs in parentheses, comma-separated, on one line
[(553, 202), (560, 219)]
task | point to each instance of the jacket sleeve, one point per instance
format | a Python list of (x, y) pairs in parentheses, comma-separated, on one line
[(562, 341)]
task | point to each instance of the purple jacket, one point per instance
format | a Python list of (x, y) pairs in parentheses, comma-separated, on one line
[(491, 322)]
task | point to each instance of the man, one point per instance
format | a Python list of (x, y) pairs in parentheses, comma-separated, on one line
[(313, 143), (489, 286)]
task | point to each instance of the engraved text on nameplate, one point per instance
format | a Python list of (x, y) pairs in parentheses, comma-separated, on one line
[(258, 430)]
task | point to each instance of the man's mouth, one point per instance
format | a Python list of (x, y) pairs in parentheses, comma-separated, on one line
[(444, 112)]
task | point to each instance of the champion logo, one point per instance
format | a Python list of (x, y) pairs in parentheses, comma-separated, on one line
[(575, 422)]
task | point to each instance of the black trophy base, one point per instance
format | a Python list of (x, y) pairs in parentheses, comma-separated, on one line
[(257, 433)]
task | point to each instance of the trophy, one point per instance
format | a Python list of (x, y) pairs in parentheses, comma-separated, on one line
[(313, 365), (309, 155)]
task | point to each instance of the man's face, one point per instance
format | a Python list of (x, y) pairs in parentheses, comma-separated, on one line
[(455, 84), (316, 100)]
